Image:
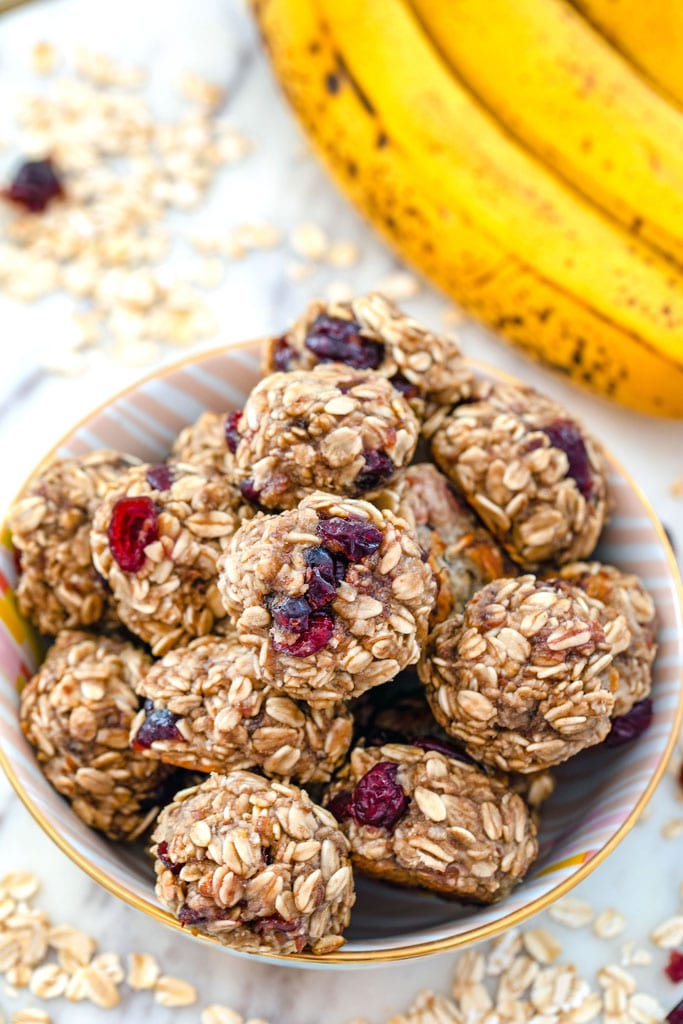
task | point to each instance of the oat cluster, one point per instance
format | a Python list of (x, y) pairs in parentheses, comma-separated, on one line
[(226, 717), (291, 588), (255, 862), (330, 429), (529, 470), (370, 332), (463, 833), (525, 678), (77, 713)]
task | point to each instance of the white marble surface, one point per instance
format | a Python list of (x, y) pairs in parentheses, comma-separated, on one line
[(280, 183)]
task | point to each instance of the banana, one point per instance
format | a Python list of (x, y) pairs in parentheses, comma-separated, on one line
[(650, 34), (564, 92), (469, 207)]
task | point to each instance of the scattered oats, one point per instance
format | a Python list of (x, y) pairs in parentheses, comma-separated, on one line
[(258, 236), (676, 487), (48, 981), (309, 241), (199, 90), (612, 975), (645, 1009), (216, 1014), (587, 1010), (669, 933), (632, 957), (672, 829), (18, 976), (11, 991), (470, 967), (571, 912), (101, 70), (20, 885), (31, 1016), (99, 988), (74, 947), (452, 316), (609, 923), (343, 255), (339, 291), (143, 971), (542, 946), (398, 286), (170, 991), (109, 964), (298, 272), (44, 58), (503, 951)]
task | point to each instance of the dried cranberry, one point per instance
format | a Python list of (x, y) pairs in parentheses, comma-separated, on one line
[(316, 636), (674, 968), (565, 435), (675, 1016), (335, 340), (159, 724), (378, 469), (35, 185), (232, 437), (159, 476), (282, 354), (291, 613), (341, 805), (353, 538), (332, 566), (404, 386), (266, 855), (442, 747), (631, 725), (250, 492), (320, 591), (263, 925), (162, 854), (16, 558), (134, 524), (378, 799), (187, 915)]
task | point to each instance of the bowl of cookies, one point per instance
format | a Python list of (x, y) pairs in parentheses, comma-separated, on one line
[(337, 647)]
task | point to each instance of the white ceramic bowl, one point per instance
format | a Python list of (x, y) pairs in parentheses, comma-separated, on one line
[(600, 793)]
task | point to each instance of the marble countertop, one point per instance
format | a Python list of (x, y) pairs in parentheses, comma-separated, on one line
[(280, 183)]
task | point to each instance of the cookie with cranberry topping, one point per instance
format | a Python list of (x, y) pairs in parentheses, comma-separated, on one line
[(209, 443), (622, 593), (59, 587), (254, 864), (528, 469), (525, 677), (418, 818), (77, 712), (462, 552), (371, 333), (332, 428), (208, 709), (333, 595), (156, 540)]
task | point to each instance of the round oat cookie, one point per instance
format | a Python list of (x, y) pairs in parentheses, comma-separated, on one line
[(334, 596), (59, 587), (208, 709), (622, 593), (254, 864), (371, 333), (156, 539), (462, 553), (418, 818), (525, 677), (535, 477), (76, 712), (331, 428)]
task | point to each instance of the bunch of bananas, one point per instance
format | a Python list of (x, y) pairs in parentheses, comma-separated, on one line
[(516, 152)]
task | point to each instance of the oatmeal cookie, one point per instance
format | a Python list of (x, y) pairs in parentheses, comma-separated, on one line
[(208, 709), (525, 677), (58, 586), (462, 553), (209, 444), (255, 864), (333, 595), (156, 539), (528, 469), (418, 818), (622, 594), (77, 712), (371, 333), (331, 428)]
